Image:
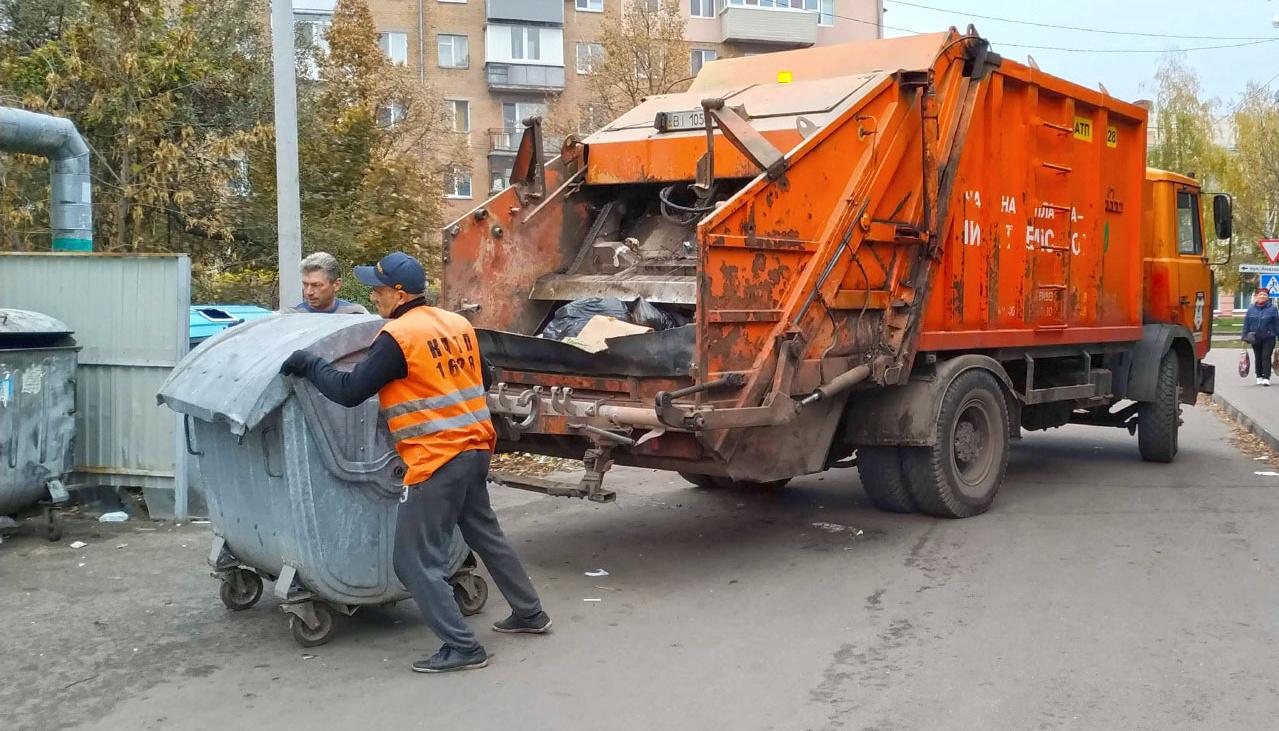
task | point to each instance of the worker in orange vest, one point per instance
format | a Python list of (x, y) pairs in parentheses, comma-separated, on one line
[(426, 369)]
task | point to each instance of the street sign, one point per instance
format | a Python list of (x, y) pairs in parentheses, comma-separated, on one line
[(1258, 269), (1271, 247), (1271, 282)]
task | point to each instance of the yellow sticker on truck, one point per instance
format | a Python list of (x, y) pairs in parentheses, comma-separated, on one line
[(1112, 137), (1083, 129)]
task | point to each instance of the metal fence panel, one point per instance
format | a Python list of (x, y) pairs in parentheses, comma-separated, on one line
[(129, 313)]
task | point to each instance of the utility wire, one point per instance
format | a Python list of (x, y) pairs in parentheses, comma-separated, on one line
[(1081, 29), (994, 43)]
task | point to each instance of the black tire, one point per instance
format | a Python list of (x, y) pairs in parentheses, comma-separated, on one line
[(240, 589), (959, 476), (53, 524), (471, 594), (880, 469), (1158, 420), (715, 482), (322, 633)]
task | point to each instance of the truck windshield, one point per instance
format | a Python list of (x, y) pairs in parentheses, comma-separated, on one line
[(1189, 236)]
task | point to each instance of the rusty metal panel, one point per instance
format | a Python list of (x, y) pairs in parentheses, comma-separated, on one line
[(1044, 242), (130, 315)]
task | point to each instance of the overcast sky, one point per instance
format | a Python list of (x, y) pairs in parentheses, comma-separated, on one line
[(1224, 72)]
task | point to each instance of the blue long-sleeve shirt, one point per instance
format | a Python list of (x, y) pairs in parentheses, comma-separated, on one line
[(1264, 321)]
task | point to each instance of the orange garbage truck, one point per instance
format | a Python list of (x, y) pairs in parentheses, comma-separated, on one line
[(895, 255)]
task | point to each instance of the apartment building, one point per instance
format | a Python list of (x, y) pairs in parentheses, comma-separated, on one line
[(495, 62)]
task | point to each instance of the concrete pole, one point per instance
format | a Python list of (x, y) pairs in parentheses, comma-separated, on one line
[(288, 213)]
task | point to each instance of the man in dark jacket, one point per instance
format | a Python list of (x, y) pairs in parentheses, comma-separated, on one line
[(1261, 327)]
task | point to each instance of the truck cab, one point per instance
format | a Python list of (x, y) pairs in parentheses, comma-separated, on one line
[(1178, 281)]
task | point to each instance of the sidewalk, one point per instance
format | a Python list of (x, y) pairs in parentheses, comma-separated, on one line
[(1256, 408)]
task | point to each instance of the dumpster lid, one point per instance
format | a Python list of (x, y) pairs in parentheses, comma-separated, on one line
[(235, 375), (24, 328)]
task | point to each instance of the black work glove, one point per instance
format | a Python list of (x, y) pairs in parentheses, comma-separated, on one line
[(297, 364)]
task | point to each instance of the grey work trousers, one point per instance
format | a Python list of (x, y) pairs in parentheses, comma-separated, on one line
[(456, 496)]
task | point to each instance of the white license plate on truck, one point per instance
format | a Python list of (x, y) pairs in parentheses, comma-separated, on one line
[(680, 121)]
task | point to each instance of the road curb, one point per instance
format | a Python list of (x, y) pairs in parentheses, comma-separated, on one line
[(1257, 430)]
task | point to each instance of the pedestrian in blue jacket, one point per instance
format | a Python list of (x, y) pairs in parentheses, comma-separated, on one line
[(1261, 327)]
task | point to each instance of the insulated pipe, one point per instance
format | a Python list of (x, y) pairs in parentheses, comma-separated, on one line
[(70, 193)]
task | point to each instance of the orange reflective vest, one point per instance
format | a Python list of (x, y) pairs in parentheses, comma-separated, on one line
[(439, 409)]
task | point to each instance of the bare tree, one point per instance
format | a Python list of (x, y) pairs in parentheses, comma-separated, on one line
[(644, 54)]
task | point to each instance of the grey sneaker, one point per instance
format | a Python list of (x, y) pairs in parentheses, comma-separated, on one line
[(448, 659), (536, 625)]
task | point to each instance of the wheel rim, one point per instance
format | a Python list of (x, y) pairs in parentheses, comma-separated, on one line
[(972, 450)]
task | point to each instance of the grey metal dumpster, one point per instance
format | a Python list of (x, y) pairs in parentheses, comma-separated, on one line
[(37, 413), (301, 491)]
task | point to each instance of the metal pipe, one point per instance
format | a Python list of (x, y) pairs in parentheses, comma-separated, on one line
[(70, 191), (837, 385)]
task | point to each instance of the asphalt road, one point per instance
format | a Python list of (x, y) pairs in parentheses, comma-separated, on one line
[(1100, 592)]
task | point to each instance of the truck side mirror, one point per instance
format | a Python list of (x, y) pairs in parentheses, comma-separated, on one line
[(1221, 215)]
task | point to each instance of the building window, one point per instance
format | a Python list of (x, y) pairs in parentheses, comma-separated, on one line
[(454, 51), (701, 57), (589, 57), (389, 115), (457, 182), (313, 37), (499, 179), (526, 43), (459, 111), (590, 6), (826, 12), (590, 118), (395, 45), (514, 114), (701, 8)]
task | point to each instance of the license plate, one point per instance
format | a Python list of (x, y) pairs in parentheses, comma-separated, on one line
[(680, 121)]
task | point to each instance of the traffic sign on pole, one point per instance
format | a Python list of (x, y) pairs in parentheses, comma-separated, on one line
[(1270, 282), (1271, 247), (1258, 269)]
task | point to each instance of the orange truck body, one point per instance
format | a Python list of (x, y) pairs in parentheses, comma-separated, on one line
[(858, 220)]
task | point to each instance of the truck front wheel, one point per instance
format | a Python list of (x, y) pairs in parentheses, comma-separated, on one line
[(1157, 420), (959, 476)]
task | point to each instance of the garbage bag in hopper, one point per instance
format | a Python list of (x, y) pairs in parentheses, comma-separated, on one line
[(572, 317)]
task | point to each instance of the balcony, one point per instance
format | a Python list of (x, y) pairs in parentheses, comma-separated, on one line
[(506, 141), (524, 77), (785, 27), (549, 12)]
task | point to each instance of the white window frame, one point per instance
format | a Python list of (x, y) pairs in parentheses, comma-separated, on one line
[(454, 2), (386, 41), (585, 6), (395, 113), (701, 53), (452, 190), (530, 37), (452, 102), (826, 10), (701, 8), (592, 58), (466, 62)]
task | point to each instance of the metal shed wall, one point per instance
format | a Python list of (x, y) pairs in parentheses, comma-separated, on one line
[(130, 316)]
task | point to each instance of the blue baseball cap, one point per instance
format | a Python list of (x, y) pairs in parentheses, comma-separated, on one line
[(396, 270)]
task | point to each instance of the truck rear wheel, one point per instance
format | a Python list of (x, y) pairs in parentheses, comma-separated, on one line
[(959, 476), (1157, 420), (881, 471)]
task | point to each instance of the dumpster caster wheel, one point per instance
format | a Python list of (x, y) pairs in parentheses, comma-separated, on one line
[(52, 524), (240, 590), (471, 593), (308, 637)]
